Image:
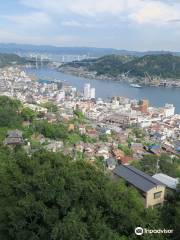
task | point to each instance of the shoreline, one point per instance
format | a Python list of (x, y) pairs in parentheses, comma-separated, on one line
[(131, 80)]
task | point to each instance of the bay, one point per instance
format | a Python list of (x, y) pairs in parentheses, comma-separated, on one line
[(157, 96)]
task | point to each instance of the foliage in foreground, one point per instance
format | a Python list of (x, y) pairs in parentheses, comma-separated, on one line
[(49, 196)]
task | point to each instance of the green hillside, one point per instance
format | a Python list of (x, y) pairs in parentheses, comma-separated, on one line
[(165, 65), (158, 65), (10, 59)]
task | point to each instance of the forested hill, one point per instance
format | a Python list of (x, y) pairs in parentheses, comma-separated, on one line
[(10, 59), (163, 65)]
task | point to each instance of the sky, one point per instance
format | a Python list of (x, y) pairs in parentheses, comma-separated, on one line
[(123, 24)]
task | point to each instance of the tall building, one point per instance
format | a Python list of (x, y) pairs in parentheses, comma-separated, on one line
[(93, 93), (143, 106), (169, 110), (87, 90), (89, 93)]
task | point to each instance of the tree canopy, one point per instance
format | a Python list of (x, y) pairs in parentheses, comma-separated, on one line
[(48, 196)]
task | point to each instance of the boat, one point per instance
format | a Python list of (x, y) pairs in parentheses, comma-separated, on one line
[(135, 85)]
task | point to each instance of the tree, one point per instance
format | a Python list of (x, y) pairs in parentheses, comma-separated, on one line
[(126, 150), (50, 106), (49, 196), (28, 114), (148, 164), (9, 112)]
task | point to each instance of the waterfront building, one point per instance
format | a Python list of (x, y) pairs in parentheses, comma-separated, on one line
[(169, 110), (143, 106), (87, 90), (93, 93), (89, 93)]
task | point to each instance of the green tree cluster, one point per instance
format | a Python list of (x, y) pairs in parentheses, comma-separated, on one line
[(152, 164), (48, 196), (9, 112)]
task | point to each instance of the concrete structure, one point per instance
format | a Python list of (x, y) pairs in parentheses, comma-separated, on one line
[(152, 190)]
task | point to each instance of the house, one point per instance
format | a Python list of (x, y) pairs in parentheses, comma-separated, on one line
[(14, 138), (92, 133), (111, 163), (103, 151), (156, 150), (137, 147), (122, 137), (151, 189), (105, 131), (138, 150), (51, 117), (126, 160), (82, 129), (79, 147), (54, 146), (118, 154), (71, 128), (168, 181)]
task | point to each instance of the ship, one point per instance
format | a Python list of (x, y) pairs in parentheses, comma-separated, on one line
[(135, 85)]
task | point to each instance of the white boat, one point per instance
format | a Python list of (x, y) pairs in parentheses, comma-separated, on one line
[(135, 85)]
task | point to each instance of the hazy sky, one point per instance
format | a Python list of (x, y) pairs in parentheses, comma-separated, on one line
[(123, 24)]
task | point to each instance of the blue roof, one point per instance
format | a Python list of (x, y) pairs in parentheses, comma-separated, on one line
[(154, 147)]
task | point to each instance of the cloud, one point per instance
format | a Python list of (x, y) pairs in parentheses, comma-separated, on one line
[(156, 12), (76, 24), (58, 40), (139, 11), (112, 23), (81, 7), (33, 18), (93, 7)]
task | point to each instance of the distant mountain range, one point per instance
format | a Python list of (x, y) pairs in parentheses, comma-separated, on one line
[(162, 65), (94, 52)]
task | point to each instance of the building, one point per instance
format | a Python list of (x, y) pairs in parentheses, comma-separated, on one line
[(143, 106), (111, 163), (167, 180), (14, 138), (93, 93), (60, 95), (169, 110), (87, 91), (151, 189)]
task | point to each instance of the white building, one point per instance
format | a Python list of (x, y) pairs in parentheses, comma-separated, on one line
[(93, 93), (87, 91), (169, 110), (60, 95)]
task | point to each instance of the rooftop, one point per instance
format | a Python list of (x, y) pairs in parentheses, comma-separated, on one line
[(137, 178), (167, 180)]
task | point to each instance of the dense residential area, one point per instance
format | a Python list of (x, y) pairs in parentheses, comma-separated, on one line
[(74, 166)]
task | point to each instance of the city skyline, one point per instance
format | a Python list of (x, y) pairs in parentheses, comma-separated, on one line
[(122, 24)]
